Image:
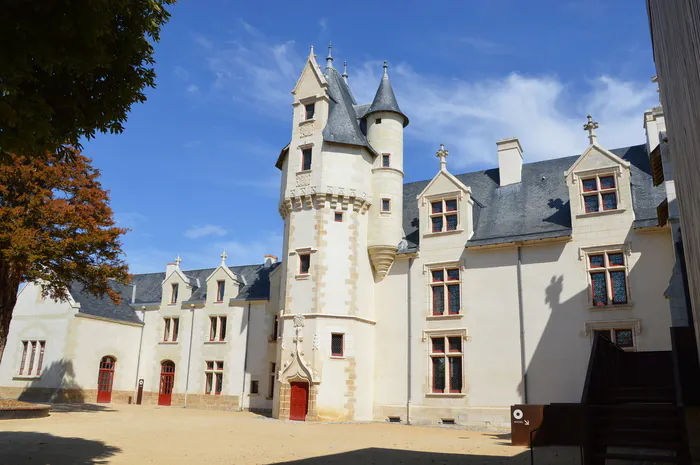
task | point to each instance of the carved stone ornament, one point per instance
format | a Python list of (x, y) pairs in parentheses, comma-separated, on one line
[(316, 344)]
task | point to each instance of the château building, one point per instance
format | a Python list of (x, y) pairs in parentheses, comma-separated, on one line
[(439, 301)]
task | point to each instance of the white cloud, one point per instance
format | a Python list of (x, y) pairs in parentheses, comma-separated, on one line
[(129, 219), (323, 24), (484, 46), (192, 89), (196, 232), (469, 115)]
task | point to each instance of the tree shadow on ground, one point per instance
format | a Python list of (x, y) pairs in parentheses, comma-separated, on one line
[(82, 408), (378, 456), (19, 447)]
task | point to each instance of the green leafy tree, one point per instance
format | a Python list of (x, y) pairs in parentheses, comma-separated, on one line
[(71, 69), (56, 228)]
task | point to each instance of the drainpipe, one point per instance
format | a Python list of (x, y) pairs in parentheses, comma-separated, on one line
[(521, 316), (245, 359), (189, 354), (408, 368), (138, 358)]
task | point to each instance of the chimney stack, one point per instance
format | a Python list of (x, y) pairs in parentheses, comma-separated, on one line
[(172, 266), (510, 161), (270, 260)]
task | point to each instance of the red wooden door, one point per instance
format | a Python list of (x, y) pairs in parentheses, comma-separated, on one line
[(167, 380), (105, 379), (299, 402)]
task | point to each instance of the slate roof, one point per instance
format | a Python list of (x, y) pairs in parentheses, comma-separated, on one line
[(148, 290), (385, 100), (343, 126), (536, 208)]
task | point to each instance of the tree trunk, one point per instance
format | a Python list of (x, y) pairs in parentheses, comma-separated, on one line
[(9, 287)]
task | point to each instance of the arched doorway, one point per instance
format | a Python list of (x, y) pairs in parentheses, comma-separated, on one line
[(299, 401), (105, 379), (167, 380)]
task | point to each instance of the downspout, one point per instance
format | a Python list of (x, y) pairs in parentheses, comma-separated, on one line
[(408, 358), (245, 359), (521, 317), (189, 354), (138, 358)]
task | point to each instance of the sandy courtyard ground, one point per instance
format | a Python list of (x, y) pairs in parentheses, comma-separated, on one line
[(135, 435)]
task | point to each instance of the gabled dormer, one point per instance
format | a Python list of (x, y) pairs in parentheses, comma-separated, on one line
[(176, 287), (445, 207), (599, 183), (223, 284)]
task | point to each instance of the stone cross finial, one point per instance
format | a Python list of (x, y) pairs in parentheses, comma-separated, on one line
[(311, 53), (345, 70), (591, 126), (329, 58), (178, 260), (223, 257), (442, 155)]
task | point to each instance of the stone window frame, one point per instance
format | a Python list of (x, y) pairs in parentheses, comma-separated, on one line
[(213, 377), (633, 324), (171, 329), (386, 157), (580, 176), (220, 291), (381, 205), (428, 268), (305, 110), (174, 291), (443, 197), (298, 252), (271, 386), (342, 341), (586, 252), (427, 338), (217, 331), (32, 360), (304, 149)]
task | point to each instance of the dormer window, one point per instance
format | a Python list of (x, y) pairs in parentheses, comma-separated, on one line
[(599, 193), (309, 111), (443, 215), (306, 159), (386, 160), (173, 293), (220, 289)]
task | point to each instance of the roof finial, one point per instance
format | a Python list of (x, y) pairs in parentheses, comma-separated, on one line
[(591, 126), (178, 260), (442, 155), (329, 58), (312, 55), (345, 71), (386, 67), (223, 257)]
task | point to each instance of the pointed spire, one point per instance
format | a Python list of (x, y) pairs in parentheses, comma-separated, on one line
[(329, 58), (591, 126), (384, 99), (442, 155), (345, 71), (312, 55)]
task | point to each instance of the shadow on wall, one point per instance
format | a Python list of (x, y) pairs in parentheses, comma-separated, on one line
[(24, 447), (371, 456), (56, 385)]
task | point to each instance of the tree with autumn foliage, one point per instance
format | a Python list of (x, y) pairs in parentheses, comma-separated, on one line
[(56, 228)]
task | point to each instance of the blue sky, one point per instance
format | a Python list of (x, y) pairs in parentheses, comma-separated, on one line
[(194, 171)]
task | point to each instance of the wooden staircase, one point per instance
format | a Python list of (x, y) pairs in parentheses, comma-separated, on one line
[(631, 414)]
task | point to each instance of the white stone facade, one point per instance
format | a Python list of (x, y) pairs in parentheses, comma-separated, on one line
[(359, 328)]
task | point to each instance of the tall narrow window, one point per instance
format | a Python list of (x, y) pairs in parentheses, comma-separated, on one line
[(40, 362), (213, 322), (220, 289), (386, 205), (275, 328), (608, 275), (446, 364), (445, 286), (304, 263), (306, 159), (166, 331), (171, 330), (271, 387), (214, 377), (176, 328), (254, 387), (31, 357), (599, 193), (444, 215), (337, 345), (309, 111), (222, 328), (386, 160), (173, 293), (25, 346)]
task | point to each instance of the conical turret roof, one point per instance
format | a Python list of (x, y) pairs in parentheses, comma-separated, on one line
[(384, 99)]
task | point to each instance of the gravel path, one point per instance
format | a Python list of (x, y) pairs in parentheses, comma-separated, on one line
[(130, 434)]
